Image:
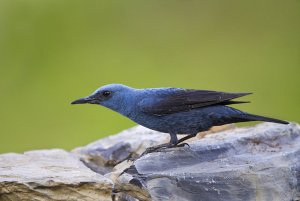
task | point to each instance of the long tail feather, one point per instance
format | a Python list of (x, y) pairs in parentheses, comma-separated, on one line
[(231, 102), (253, 117)]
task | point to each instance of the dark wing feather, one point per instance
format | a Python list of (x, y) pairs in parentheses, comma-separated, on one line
[(187, 99)]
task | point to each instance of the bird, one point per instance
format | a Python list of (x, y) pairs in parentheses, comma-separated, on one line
[(173, 110)]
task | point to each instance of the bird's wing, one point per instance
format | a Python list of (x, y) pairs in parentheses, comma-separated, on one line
[(178, 100)]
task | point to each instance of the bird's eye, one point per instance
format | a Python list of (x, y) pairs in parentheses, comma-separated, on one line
[(106, 93)]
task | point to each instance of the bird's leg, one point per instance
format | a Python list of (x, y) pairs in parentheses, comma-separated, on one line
[(172, 143), (184, 139), (153, 149), (174, 139), (156, 148)]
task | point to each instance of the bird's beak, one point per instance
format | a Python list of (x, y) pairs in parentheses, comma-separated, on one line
[(82, 100)]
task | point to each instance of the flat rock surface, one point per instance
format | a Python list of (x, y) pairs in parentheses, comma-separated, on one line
[(50, 175), (260, 163)]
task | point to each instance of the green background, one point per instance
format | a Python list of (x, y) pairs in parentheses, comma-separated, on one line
[(55, 51)]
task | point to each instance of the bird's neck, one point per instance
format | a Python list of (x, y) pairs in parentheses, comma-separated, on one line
[(124, 105)]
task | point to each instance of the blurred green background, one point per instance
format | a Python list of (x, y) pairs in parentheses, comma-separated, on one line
[(55, 51)]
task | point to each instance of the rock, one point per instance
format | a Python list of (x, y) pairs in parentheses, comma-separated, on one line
[(260, 163), (46, 175), (103, 155)]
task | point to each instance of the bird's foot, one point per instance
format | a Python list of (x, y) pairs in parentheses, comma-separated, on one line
[(162, 147), (157, 148), (182, 145)]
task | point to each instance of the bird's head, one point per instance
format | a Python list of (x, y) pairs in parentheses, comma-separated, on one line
[(111, 96)]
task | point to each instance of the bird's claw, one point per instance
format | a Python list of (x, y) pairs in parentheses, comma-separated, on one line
[(161, 148), (156, 149), (182, 145)]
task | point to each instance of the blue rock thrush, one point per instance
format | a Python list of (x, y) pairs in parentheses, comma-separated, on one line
[(173, 110)]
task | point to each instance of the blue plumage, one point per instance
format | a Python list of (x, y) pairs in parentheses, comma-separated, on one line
[(173, 110)]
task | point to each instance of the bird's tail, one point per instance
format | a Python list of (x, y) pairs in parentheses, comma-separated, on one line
[(253, 117)]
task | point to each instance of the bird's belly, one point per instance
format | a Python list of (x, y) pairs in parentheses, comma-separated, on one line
[(190, 122), (186, 123), (179, 123)]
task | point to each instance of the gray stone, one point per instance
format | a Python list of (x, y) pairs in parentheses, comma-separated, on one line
[(102, 155), (46, 175), (260, 163)]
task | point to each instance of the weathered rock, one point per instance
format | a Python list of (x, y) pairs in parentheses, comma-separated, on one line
[(103, 155), (46, 175), (260, 163)]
